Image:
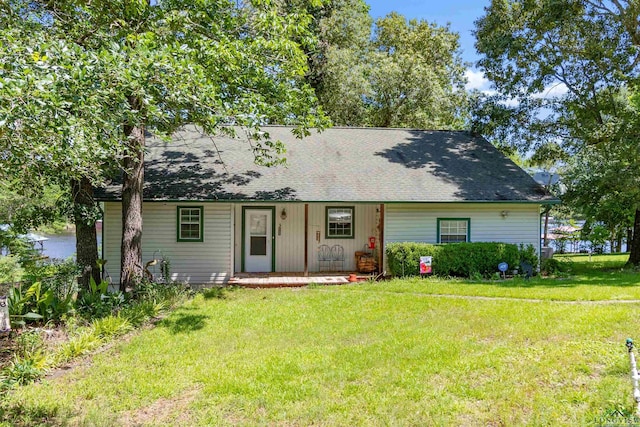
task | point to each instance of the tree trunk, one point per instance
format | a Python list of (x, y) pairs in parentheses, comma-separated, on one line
[(634, 256), (86, 238), (131, 270)]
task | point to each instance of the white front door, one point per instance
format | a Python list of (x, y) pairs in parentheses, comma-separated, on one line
[(258, 235)]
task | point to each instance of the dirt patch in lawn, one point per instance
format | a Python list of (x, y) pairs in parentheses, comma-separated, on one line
[(174, 411)]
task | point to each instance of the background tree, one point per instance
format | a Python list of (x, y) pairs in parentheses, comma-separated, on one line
[(154, 68), (417, 76), (603, 182), (337, 62), (559, 66), (406, 73)]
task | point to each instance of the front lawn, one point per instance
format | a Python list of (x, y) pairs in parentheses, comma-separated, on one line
[(590, 278), (390, 353)]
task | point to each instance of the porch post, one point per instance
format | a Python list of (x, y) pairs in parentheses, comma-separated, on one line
[(381, 244), (306, 240)]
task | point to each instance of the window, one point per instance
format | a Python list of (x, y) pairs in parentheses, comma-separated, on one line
[(190, 224), (258, 233), (453, 230), (339, 223)]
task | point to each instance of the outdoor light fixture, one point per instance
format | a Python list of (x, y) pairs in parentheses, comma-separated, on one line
[(283, 214), (504, 214)]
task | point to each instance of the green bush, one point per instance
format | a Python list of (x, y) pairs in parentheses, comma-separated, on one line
[(459, 259), (47, 293), (10, 270), (528, 254), (140, 312), (18, 246), (23, 371), (552, 266), (170, 292), (29, 342), (111, 326), (39, 302), (82, 343), (96, 301), (60, 275)]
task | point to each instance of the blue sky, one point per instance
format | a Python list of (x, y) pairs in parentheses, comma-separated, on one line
[(460, 14)]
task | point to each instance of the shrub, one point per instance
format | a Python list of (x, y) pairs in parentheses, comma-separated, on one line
[(61, 276), (141, 311), (111, 326), (552, 266), (171, 292), (82, 343), (47, 293), (23, 371), (19, 246), (96, 301), (10, 270), (459, 259), (29, 342), (38, 302), (528, 254)]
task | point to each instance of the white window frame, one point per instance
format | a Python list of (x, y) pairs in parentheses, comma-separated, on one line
[(445, 224), (190, 221), (328, 222)]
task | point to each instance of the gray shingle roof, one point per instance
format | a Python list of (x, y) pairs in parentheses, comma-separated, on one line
[(339, 164)]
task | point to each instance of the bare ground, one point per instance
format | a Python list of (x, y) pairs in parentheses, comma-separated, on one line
[(174, 411)]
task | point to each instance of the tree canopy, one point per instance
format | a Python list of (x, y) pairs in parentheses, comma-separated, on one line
[(82, 83), (403, 73), (562, 68)]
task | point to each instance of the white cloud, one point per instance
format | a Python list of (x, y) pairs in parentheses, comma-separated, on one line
[(510, 102), (477, 80)]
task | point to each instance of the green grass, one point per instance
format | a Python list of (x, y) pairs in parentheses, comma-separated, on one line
[(596, 278), (389, 353), (56, 227)]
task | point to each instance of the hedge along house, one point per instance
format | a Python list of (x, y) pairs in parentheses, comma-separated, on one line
[(215, 213)]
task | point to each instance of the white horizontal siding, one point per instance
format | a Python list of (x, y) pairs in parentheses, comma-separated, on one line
[(419, 222), (212, 261), (209, 261)]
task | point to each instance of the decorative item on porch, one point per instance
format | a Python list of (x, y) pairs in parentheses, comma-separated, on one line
[(366, 261)]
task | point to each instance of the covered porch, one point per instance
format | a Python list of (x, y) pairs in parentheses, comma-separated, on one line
[(298, 239)]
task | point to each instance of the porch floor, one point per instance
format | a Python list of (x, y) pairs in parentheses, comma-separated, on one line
[(291, 280)]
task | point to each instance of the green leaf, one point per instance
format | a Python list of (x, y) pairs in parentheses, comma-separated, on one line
[(32, 316)]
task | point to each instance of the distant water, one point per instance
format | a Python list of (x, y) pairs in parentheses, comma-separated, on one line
[(63, 246), (581, 245)]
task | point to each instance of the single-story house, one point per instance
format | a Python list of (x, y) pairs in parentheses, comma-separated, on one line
[(214, 213)]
